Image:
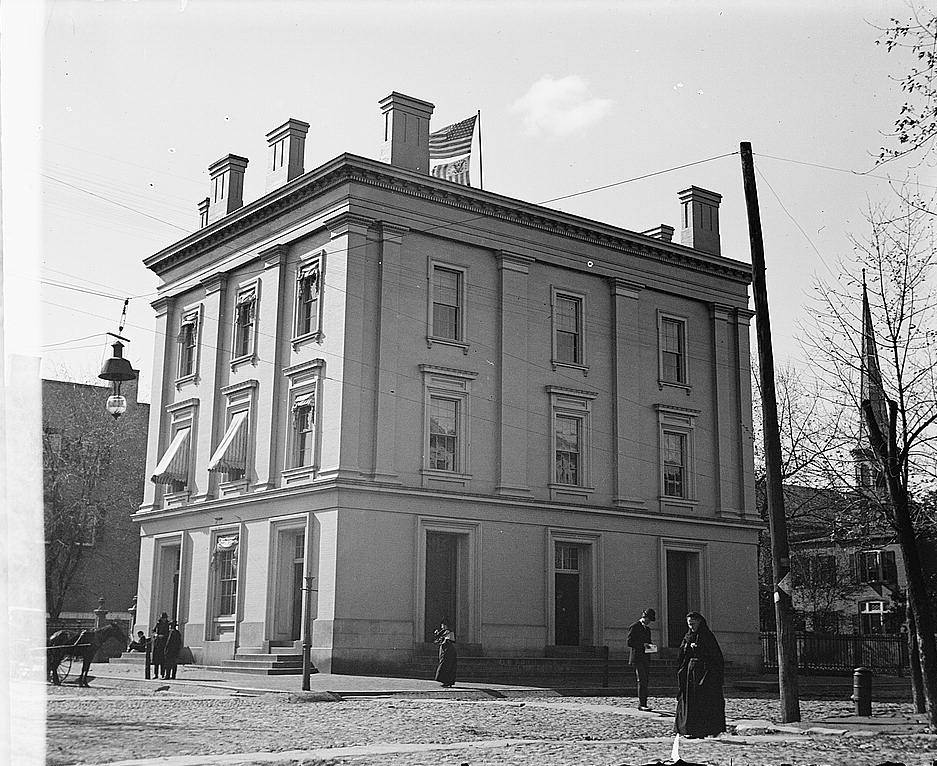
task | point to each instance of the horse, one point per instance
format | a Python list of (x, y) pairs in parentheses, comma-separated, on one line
[(80, 645)]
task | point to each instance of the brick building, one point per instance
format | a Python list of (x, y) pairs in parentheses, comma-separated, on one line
[(436, 400)]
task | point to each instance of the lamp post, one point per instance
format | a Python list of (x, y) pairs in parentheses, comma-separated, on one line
[(117, 370)]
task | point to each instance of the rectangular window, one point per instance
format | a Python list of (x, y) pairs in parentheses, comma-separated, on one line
[(871, 617), (674, 464), (226, 561), (304, 430), (567, 558), (244, 318), (188, 344), (568, 329), (308, 288), (444, 434), (876, 566), (568, 436), (447, 303), (673, 350)]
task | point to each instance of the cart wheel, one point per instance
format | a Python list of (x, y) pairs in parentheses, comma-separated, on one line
[(65, 667)]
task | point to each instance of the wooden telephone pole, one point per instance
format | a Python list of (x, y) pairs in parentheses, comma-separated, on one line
[(780, 554)]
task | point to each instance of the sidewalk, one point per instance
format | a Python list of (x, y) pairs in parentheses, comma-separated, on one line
[(326, 686)]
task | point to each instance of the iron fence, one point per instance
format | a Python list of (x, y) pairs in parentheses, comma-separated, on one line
[(821, 653)]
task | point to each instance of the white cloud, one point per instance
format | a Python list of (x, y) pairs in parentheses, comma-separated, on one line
[(560, 107)]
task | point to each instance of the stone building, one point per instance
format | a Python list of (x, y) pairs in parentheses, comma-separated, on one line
[(440, 401)]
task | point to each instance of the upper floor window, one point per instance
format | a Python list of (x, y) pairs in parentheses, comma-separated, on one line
[(304, 417), (245, 317), (875, 566), (188, 344), (677, 479), (570, 434), (174, 469), (674, 464), (814, 570), (303, 429), (672, 343), (308, 299), (568, 329), (447, 303), (446, 402), (444, 434)]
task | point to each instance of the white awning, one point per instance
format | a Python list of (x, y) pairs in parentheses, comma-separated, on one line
[(231, 454), (174, 464), (304, 400), (226, 543)]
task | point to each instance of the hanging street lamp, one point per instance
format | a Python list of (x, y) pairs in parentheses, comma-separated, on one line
[(117, 370)]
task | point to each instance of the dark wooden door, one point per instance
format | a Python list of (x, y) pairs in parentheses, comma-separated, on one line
[(678, 597), (567, 609), (442, 573)]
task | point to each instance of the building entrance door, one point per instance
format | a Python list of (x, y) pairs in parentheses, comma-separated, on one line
[(683, 592), (168, 593), (288, 595), (442, 581), (567, 595)]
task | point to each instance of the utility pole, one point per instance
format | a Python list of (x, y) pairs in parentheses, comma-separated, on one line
[(780, 554)]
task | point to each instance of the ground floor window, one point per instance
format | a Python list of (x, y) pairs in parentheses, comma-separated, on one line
[(871, 617)]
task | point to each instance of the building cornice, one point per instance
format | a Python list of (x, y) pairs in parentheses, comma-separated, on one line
[(349, 168)]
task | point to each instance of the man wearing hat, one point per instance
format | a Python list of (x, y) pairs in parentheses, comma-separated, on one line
[(639, 641)]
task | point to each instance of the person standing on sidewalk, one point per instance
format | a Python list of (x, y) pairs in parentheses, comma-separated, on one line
[(160, 634), (639, 642), (701, 704), (171, 654), (445, 671)]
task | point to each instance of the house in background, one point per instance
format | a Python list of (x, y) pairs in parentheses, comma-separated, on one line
[(93, 482), (437, 401)]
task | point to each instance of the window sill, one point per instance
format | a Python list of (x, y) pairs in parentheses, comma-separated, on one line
[(560, 492), (449, 477), (431, 339), (308, 337), (584, 368), (298, 475), (233, 487), (683, 501), (247, 358), (175, 499), (673, 384), (192, 378)]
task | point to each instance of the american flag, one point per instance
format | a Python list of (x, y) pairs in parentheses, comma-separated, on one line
[(452, 141)]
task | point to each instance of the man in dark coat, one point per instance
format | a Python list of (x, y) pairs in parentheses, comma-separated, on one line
[(639, 642), (160, 634), (171, 653)]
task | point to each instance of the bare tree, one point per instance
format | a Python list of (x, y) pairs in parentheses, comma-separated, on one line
[(91, 466), (898, 258), (914, 38)]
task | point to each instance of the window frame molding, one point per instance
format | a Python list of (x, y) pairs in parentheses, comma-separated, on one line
[(684, 322), (678, 420), (183, 414), (593, 571), (302, 379), (198, 309), (239, 397), (248, 285), (317, 259), (214, 621), (454, 385), (431, 337), (582, 364), (575, 403)]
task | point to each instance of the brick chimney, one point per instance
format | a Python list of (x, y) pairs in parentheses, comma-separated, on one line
[(203, 212), (700, 219), (662, 232), (406, 132), (287, 149), (227, 186)]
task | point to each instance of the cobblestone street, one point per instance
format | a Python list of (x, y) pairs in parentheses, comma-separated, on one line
[(189, 725)]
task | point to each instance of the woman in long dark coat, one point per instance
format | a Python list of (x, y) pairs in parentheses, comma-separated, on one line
[(701, 706), (445, 671)]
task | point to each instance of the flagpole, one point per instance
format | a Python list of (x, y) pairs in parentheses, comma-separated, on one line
[(481, 174)]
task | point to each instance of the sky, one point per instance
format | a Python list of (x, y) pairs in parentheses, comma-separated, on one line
[(134, 100)]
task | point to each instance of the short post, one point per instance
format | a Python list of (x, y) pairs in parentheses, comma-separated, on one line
[(604, 667), (862, 691), (307, 632), (100, 614)]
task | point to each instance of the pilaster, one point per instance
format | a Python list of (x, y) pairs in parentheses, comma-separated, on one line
[(386, 374), (216, 339), (724, 412), (159, 396), (626, 342), (745, 436), (513, 445)]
